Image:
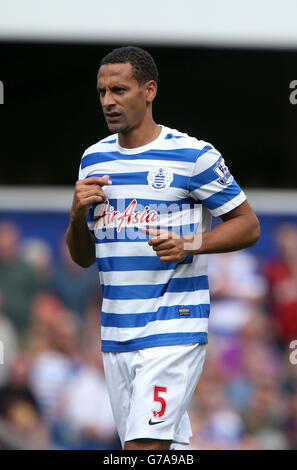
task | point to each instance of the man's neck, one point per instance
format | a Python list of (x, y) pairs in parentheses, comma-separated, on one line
[(140, 136)]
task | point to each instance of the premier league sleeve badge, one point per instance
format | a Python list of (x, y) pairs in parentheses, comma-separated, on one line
[(225, 177)]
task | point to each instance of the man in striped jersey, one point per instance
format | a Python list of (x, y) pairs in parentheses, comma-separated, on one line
[(142, 193)]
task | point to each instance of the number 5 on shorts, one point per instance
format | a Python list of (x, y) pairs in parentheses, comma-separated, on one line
[(161, 400)]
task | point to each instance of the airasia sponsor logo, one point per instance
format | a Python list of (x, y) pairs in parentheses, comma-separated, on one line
[(108, 217), (116, 223)]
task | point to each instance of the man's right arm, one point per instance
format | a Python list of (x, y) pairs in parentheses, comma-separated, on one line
[(80, 241)]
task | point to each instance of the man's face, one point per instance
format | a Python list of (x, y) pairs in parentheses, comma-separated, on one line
[(123, 100)]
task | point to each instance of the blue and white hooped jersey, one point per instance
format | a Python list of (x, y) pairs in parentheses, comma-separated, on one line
[(175, 183)]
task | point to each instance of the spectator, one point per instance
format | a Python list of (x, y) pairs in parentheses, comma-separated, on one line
[(38, 255), (248, 358), (20, 418), (266, 414), (8, 345), (236, 286), (291, 424), (55, 363), (216, 423), (281, 274), (18, 282), (74, 286), (87, 421), (45, 310)]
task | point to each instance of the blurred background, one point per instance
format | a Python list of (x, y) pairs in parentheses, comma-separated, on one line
[(227, 74)]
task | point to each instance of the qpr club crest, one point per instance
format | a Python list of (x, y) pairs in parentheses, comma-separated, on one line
[(160, 179), (223, 173)]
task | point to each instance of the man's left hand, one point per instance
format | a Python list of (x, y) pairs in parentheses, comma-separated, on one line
[(169, 246)]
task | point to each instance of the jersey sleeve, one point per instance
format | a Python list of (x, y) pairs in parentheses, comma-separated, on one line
[(213, 185), (90, 215)]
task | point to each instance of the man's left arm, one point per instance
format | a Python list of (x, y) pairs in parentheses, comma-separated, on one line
[(240, 229), (212, 185)]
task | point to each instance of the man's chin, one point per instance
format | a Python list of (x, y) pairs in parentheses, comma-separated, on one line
[(116, 128)]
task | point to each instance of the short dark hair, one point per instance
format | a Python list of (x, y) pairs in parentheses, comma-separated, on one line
[(143, 65)]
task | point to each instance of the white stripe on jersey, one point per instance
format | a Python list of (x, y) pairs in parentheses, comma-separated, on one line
[(208, 190), (206, 161), (167, 144), (182, 325), (130, 278), (121, 191), (169, 299), (123, 249)]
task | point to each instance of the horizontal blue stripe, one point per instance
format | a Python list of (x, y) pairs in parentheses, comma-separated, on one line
[(179, 181), (171, 136), (143, 291), (137, 263), (113, 141), (136, 320), (222, 197), (182, 155), (152, 341), (204, 177)]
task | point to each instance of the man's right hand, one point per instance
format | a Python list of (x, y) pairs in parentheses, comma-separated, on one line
[(87, 191)]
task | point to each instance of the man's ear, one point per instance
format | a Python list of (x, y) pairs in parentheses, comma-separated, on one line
[(150, 90)]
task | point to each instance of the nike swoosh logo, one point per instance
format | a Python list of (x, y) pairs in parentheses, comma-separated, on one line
[(155, 422)]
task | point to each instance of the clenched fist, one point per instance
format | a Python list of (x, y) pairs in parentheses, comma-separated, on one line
[(169, 246), (87, 191)]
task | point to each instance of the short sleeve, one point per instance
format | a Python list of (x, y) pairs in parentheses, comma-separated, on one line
[(90, 215), (212, 183)]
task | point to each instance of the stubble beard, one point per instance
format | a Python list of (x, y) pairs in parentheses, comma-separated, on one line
[(119, 128)]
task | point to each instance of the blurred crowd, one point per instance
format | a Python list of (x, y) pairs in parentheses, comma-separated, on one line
[(52, 389)]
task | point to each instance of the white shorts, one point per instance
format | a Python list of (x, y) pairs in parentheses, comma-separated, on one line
[(150, 390)]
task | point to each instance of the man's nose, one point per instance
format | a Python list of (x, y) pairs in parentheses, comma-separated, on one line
[(108, 100)]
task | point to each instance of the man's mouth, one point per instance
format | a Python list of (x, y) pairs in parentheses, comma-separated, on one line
[(112, 117)]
